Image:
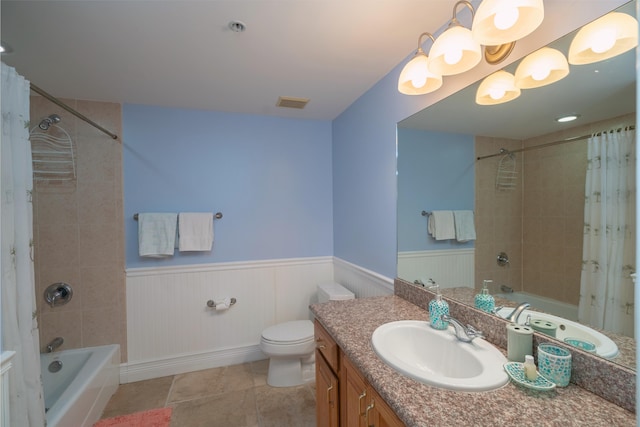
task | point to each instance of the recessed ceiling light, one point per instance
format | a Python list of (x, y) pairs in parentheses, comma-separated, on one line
[(567, 118)]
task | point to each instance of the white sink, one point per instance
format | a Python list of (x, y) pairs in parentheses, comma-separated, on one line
[(569, 329), (438, 358)]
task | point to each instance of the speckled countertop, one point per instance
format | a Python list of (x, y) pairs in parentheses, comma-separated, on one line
[(351, 324)]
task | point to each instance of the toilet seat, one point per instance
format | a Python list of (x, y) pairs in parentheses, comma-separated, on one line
[(289, 333)]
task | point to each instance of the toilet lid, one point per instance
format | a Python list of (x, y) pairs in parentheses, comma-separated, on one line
[(297, 330)]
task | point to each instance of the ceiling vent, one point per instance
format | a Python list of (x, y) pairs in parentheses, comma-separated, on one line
[(290, 102)]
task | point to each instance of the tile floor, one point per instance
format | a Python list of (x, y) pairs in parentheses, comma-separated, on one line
[(231, 396)]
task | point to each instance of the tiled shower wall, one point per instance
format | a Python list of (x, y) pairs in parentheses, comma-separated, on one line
[(540, 224), (79, 233)]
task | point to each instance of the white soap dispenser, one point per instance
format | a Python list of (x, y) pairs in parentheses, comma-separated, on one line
[(485, 301), (438, 307)]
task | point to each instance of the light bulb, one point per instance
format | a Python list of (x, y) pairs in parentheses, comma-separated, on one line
[(540, 73), (604, 40), (497, 93), (419, 81), (452, 57), (505, 18)]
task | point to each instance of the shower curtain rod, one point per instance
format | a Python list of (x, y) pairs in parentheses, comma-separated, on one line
[(548, 144), (71, 110)]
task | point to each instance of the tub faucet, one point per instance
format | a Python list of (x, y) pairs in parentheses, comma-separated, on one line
[(463, 333), (55, 343), (515, 314)]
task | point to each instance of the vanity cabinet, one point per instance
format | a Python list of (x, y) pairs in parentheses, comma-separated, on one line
[(343, 396), (360, 404), (327, 383)]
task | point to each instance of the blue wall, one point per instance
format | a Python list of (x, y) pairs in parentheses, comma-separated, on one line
[(435, 172), (270, 177)]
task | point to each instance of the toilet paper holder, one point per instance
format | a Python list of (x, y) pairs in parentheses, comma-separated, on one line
[(211, 303)]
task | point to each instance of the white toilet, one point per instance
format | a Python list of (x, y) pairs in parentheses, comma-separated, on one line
[(291, 346)]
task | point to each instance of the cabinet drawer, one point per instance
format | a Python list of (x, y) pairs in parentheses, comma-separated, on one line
[(326, 346)]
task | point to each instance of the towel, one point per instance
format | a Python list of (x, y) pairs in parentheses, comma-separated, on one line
[(465, 229), (441, 225), (196, 231), (156, 234)]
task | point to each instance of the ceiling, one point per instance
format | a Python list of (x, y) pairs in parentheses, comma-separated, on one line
[(182, 53)]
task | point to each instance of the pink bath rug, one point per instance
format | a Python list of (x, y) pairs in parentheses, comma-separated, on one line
[(160, 417)]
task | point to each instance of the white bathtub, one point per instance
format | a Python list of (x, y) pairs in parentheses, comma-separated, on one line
[(548, 305), (77, 394)]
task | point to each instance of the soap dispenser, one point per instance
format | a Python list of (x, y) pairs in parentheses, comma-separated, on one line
[(484, 301), (438, 307)]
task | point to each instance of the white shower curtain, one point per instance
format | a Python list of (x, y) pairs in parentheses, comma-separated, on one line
[(606, 288), (19, 323)]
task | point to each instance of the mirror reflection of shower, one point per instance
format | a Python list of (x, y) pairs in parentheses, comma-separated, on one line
[(48, 121)]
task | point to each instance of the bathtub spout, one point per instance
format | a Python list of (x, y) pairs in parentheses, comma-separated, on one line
[(55, 343)]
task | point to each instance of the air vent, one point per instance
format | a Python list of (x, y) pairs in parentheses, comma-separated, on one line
[(289, 102)]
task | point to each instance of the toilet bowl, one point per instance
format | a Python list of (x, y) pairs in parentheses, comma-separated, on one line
[(290, 346)]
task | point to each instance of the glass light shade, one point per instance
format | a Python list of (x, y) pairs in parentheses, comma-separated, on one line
[(540, 68), (454, 52), (604, 38), (497, 88), (416, 79), (499, 22)]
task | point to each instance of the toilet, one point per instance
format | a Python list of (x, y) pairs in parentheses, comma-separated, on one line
[(290, 346)]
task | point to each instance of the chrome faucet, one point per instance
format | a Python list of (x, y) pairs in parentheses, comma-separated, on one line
[(55, 343), (515, 314), (463, 333)]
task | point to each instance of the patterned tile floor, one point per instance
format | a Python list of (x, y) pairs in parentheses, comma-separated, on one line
[(231, 396)]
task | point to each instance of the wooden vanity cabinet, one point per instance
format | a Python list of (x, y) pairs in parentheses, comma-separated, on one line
[(360, 404), (327, 383), (343, 396)]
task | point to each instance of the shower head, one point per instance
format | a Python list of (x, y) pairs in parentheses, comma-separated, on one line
[(48, 121)]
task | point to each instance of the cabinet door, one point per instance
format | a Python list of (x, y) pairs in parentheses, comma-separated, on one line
[(378, 413), (327, 408), (353, 395)]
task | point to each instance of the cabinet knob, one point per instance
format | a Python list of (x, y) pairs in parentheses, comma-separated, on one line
[(329, 394), (320, 344)]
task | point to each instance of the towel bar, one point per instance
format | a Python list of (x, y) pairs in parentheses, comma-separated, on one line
[(218, 215)]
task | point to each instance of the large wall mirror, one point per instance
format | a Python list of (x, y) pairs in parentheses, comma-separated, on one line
[(524, 176)]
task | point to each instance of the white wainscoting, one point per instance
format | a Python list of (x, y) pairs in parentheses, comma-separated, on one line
[(448, 268), (362, 282), (170, 329)]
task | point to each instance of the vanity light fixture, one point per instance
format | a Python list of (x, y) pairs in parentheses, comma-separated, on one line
[(416, 78), (604, 38), (497, 88), (540, 68), (455, 50)]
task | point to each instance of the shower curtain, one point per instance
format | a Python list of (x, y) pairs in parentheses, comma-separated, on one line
[(606, 288), (19, 323)]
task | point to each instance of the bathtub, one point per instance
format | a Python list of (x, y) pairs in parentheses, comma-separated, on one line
[(78, 392), (548, 305)]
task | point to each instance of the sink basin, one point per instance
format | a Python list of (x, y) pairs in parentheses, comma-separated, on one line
[(438, 358), (567, 329)]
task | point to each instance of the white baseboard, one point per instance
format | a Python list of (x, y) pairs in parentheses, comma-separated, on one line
[(138, 371)]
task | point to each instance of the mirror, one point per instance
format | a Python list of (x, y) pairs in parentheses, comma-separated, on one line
[(538, 225)]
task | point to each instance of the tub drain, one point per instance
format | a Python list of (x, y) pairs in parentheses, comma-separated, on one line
[(55, 366)]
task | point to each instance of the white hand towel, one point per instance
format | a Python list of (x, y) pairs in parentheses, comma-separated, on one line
[(441, 225), (196, 231), (465, 228), (156, 234)]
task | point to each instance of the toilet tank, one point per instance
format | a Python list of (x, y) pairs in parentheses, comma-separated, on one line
[(332, 291)]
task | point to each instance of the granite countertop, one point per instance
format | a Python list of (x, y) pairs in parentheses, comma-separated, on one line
[(352, 322)]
